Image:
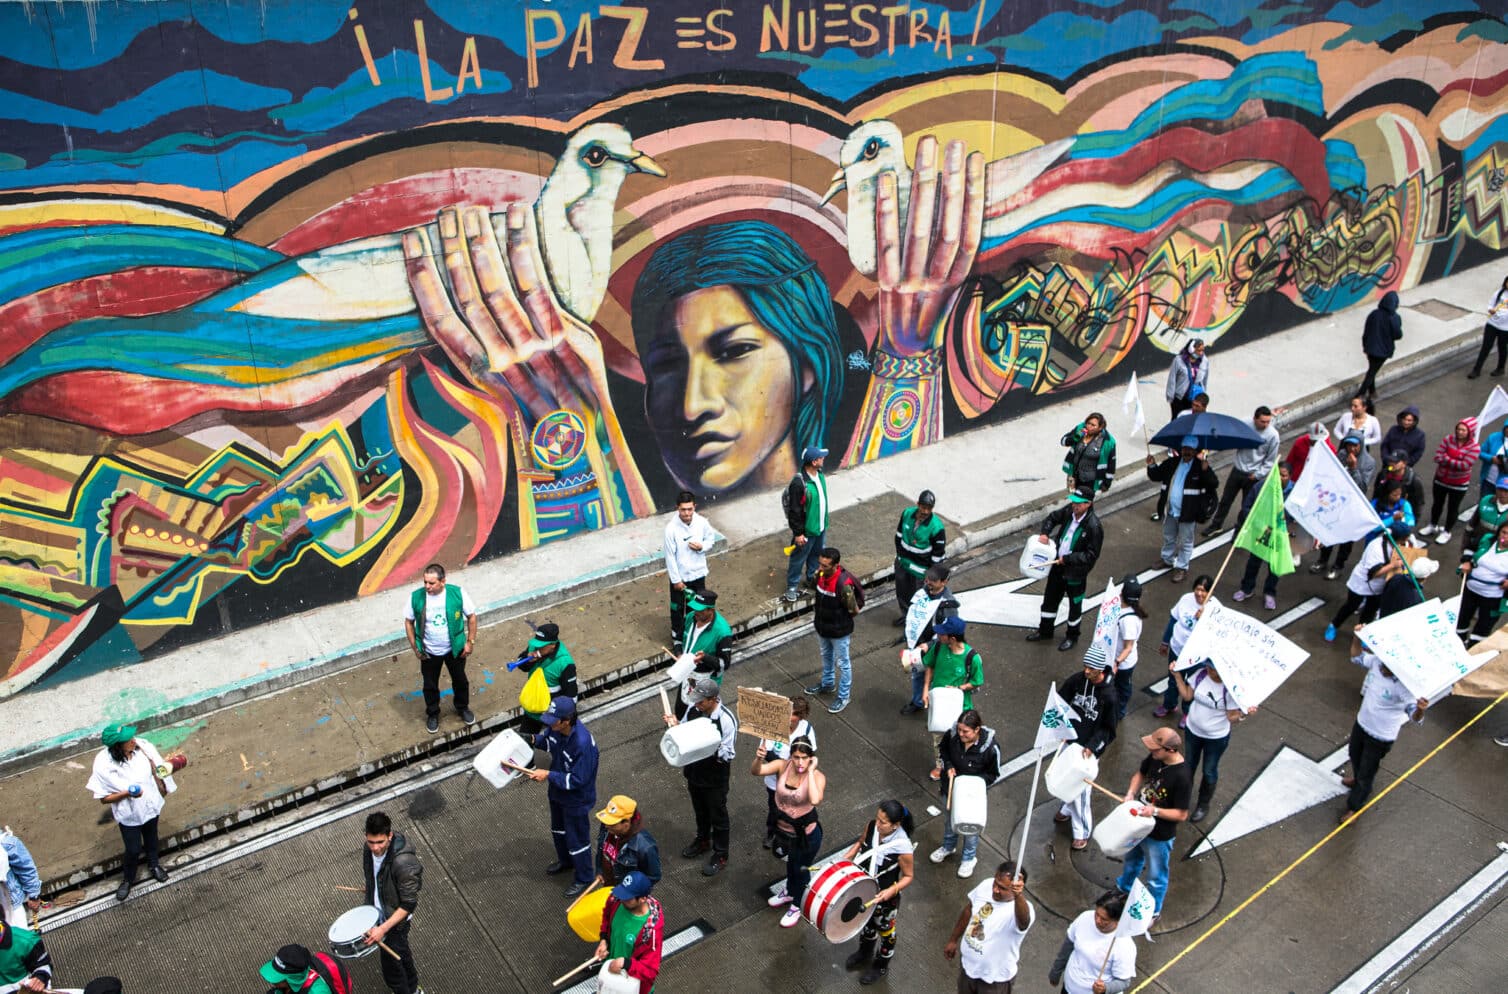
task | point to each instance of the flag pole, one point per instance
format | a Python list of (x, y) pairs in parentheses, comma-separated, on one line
[(1109, 948), (1408, 566), (1031, 805)]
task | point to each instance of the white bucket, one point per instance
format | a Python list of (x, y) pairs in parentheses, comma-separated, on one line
[(689, 742), (1037, 557), (1119, 833), (969, 809), (679, 670), (609, 982), (507, 745), (1067, 772), (944, 705)]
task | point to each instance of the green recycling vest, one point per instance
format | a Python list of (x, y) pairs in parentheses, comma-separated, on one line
[(708, 640), (455, 617), (13, 955)]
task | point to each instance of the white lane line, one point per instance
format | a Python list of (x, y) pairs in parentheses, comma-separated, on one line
[(1429, 930)]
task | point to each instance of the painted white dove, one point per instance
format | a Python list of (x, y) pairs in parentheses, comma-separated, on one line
[(875, 147)]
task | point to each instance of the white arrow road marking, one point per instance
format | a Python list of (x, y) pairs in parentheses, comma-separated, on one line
[(1279, 623), (1430, 929), (1291, 783)]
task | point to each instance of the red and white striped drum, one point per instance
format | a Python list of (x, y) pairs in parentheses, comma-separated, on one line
[(837, 900)]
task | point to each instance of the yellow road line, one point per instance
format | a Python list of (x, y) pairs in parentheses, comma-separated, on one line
[(1314, 848)]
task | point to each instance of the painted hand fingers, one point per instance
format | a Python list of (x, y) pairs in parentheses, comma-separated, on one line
[(973, 220), (553, 327), (887, 231), (950, 212), (921, 210)]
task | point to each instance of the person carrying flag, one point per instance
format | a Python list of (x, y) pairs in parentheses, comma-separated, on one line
[(1264, 536)]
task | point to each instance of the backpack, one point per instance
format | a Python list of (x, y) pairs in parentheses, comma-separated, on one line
[(332, 972), (793, 498)]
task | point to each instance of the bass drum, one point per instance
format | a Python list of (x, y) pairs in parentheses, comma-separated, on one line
[(835, 901)]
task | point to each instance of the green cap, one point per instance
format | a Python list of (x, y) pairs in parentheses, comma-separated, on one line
[(118, 734)]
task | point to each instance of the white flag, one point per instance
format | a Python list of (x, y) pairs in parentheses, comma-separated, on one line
[(1057, 716), (1496, 407), (1136, 919), (1131, 405), (1327, 503)]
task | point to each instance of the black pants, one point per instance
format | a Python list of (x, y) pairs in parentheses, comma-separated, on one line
[(137, 837), (429, 667), (1369, 382), (1354, 602), (1447, 499), (1236, 485), (1492, 336), (1366, 756), (1342, 553), (906, 586), (1485, 611), (678, 605), (709, 805), (1058, 584), (400, 975), (1249, 576), (1179, 405)]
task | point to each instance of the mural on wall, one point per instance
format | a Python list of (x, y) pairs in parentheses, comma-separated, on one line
[(298, 297)]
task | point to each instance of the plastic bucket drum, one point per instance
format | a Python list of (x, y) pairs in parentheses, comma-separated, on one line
[(969, 808), (1067, 772), (347, 934), (609, 982), (689, 742), (944, 705), (585, 918), (508, 745), (834, 901), (1119, 833), (1037, 557), (681, 668)]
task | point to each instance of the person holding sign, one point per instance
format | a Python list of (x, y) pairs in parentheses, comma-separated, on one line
[(1162, 784), (950, 662), (1090, 961), (1379, 561), (1211, 710), (969, 748), (988, 934), (1185, 614), (887, 846), (1486, 583), (799, 788), (929, 605), (801, 727), (1386, 706), (707, 779)]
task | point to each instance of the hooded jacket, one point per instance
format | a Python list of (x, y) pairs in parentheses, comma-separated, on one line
[(1413, 489), (1365, 468), (1410, 440), (400, 879), (636, 851), (643, 964), (1383, 328), (1454, 460)]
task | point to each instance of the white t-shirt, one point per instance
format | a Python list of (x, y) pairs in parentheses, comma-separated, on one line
[(109, 777), (1386, 704), (1207, 711), (991, 945), (781, 750), (1374, 555), (1089, 948), (436, 631), (1487, 576), (377, 862), (1184, 620), (1127, 631)]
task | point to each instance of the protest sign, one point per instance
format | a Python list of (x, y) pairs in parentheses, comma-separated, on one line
[(1489, 679), (764, 715), (918, 613), (1105, 621), (1140, 910), (1421, 647), (1253, 659)]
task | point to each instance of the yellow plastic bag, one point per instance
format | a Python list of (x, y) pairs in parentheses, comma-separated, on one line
[(535, 695)]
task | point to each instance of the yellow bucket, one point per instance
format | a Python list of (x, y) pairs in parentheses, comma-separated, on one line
[(585, 918)]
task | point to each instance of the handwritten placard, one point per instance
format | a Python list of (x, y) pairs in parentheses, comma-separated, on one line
[(764, 715), (1252, 659), (1421, 647)]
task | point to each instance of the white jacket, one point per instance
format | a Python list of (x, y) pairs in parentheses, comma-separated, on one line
[(683, 563)]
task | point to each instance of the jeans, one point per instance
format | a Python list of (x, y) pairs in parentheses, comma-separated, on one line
[(918, 679), (570, 828), (1124, 689), (1170, 699), (835, 656), (1210, 750), (400, 975), (137, 837), (429, 668), (798, 863), (1177, 540), (1249, 577), (803, 558), (1366, 755), (1155, 856), (950, 839)]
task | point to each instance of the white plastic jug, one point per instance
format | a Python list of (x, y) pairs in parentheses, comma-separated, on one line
[(944, 705), (681, 668), (1067, 772), (690, 741), (609, 982), (1119, 833), (970, 811), (1037, 557), (507, 745)]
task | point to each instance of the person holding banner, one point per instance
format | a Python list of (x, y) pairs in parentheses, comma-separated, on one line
[(990, 929), (1486, 584), (1090, 961), (1211, 710), (799, 788), (1386, 706), (1163, 784), (1380, 560), (1181, 621), (1454, 458), (1494, 333), (1092, 696), (1359, 465), (929, 606), (1279, 547), (888, 849), (969, 748)]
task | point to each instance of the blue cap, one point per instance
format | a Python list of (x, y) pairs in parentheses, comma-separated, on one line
[(951, 625), (813, 453), (633, 885), (560, 709), (1189, 442)]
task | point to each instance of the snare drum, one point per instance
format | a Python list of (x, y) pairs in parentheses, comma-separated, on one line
[(348, 934), (834, 901)]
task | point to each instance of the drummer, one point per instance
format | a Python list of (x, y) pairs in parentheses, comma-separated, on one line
[(707, 779), (968, 749), (23, 959), (708, 639), (623, 844), (887, 846), (394, 877), (801, 727), (546, 650), (949, 661), (1091, 693), (633, 931), (799, 788)]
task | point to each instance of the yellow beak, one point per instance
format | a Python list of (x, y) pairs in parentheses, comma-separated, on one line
[(839, 185), (644, 164)]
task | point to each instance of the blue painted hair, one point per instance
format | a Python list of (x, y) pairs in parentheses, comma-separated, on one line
[(783, 288)]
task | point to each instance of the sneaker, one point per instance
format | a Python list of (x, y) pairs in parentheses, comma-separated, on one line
[(791, 917), (940, 853), (966, 868), (1269, 602), (1332, 574), (715, 865), (1161, 712), (1316, 569), (432, 723), (1156, 516), (1502, 740), (837, 706), (467, 715), (792, 595), (1239, 596), (1443, 538), (819, 689), (1429, 530), (781, 899), (1329, 633)]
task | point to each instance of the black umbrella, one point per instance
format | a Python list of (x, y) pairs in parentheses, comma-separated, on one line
[(1211, 431)]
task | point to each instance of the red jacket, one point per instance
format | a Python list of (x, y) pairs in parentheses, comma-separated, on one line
[(1299, 454), (644, 963), (1454, 463)]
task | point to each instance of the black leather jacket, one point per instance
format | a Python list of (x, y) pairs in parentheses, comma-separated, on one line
[(401, 877)]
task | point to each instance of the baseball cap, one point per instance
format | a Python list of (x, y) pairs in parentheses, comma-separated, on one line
[(701, 600), (1189, 442), (813, 453), (1131, 589), (1081, 496), (1162, 738), (634, 884), (560, 708), (546, 634), (291, 964), (103, 985), (619, 809), (927, 499), (1096, 658), (706, 689), (951, 625), (117, 734)]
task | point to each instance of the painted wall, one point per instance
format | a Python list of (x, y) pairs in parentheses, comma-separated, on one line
[(298, 296)]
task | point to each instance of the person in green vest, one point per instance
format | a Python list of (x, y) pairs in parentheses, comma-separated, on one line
[(1090, 461), (440, 622), (708, 638), (23, 959), (805, 503), (921, 541), (292, 971), (633, 931), (950, 662), (546, 650)]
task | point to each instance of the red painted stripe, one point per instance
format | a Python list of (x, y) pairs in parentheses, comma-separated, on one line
[(1478, 87)]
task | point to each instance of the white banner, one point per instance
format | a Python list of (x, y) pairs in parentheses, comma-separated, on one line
[(1252, 658), (1106, 619), (920, 611), (1496, 407), (1420, 646), (1131, 405), (1326, 502), (1140, 909)]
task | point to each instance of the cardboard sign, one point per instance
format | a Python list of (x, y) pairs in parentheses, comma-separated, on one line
[(1421, 647), (1253, 659), (764, 715)]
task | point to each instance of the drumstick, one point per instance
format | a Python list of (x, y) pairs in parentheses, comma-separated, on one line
[(567, 976), (1102, 790), (664, 702), (508, 764), (949, 804), (389, 950), (358, 890), (596, 882)]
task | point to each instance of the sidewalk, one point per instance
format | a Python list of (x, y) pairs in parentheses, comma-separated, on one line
[(277, 715)]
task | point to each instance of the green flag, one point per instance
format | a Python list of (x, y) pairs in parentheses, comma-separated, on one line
[(1265, 533)]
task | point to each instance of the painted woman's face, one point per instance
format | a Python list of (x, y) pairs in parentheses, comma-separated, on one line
[(720, 392)]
